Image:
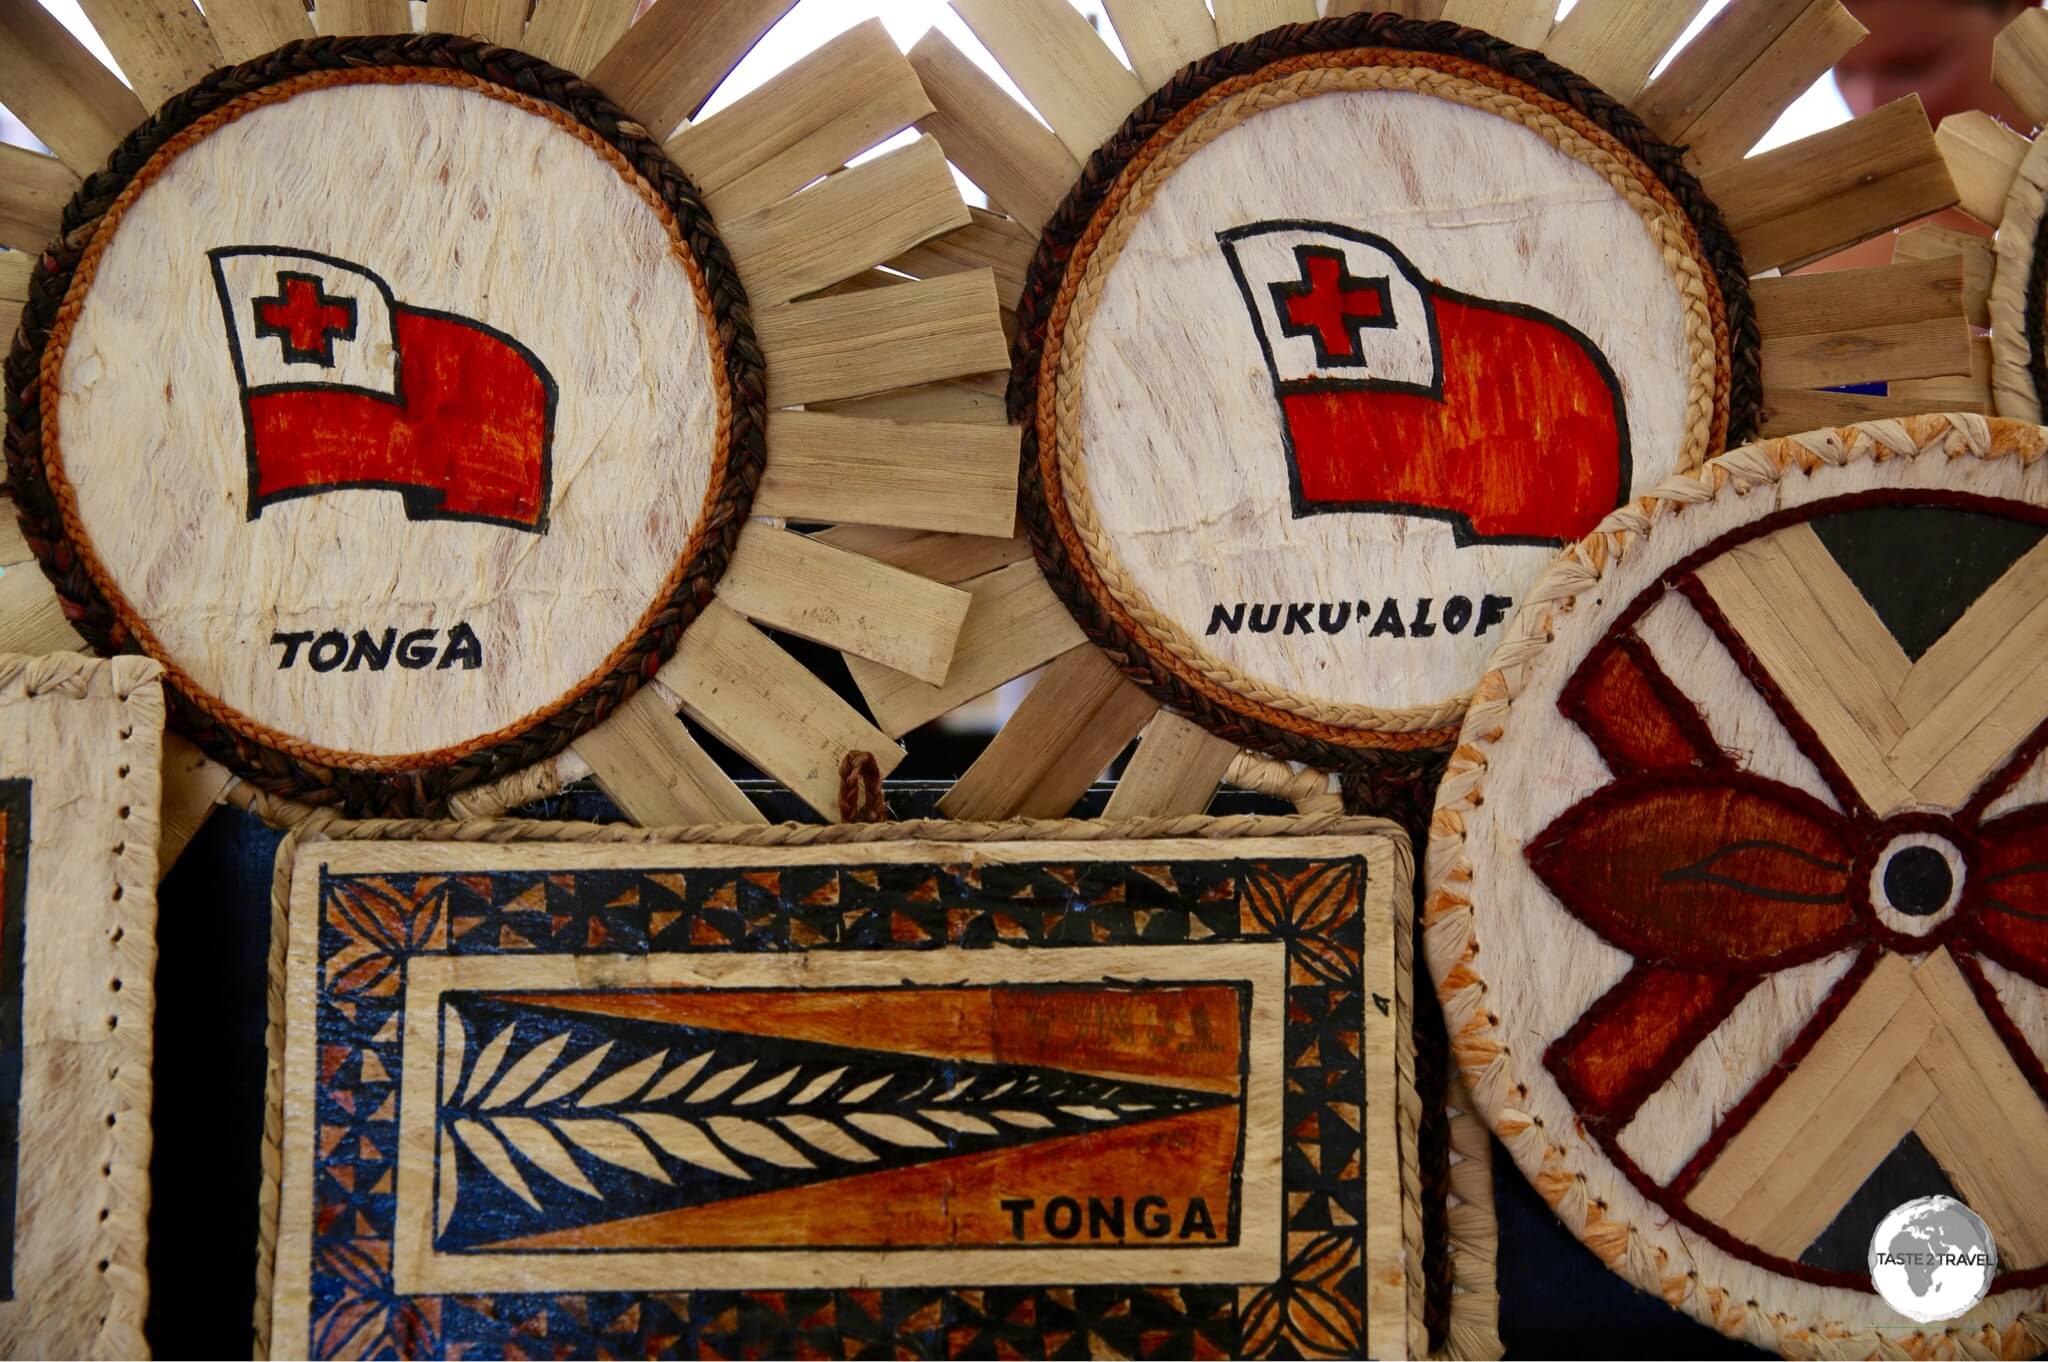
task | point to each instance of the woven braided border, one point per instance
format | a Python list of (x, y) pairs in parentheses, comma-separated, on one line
[(1184, 677), (329, 828), (1564, 1165), (292, 767)]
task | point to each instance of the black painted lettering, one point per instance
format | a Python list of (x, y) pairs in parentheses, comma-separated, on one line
[(1232, 619), (1457, 613), (1297, 618), (1059, 1208), (1334, 624), (1420, 626), (368, 650), (1263, 623), (1389, 621), (328, 651), (1492, 610), (1197, 1221), (463, 647), (1101, 1217), (1016, 1206), (1152, 1217), (291, 642), (416, 649)]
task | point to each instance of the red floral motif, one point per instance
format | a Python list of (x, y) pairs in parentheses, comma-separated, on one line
[(1714, 877)]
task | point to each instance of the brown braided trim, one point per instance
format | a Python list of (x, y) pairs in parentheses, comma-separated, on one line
[(1202, 688), (277, 762)]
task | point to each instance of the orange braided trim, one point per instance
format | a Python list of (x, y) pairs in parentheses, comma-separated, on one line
[(74, 303), (1046, 414)]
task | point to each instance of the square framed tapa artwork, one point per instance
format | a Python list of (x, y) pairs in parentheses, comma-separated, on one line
[(888, 1090)]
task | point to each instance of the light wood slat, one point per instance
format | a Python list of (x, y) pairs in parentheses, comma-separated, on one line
[(1161, 36), (193, 786), (961, 479), (1833, 189), (1831, 615), (1964, 650), (1775, 638), (1858, 326), (1078, 716), (1886, 1002), (1928, 242), (1967, 761), (79, 108), (1617, 43), (31, 620), (495, 21), (1830, 1123), (966, 403), (765, 705), (1726, 87), (1015, 625), (852, 222), (1413, 9), (15, 269), (10, 317), (949, 558), (1175, 770), (1984, 159), (1069, 75), (806, 121), (2019, 64), (1989, 1131), (1519, 21), (162, 46), (342, 17), (1953, 392), (646, 762), (14, 549), (1794, 411), (794, 583), (575, 34), (33, 191), (245, 29), (988, 242), (1855, 1153), (859, 343), (1237, 20), (670, 61), (994, 140)]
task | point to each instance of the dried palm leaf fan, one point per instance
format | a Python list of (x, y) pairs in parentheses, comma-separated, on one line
[(415, 394), (2003, 178), (1331, 338)]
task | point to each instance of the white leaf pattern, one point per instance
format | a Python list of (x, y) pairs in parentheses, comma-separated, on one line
[(816, 1086), (762, 1091), (548, 1153), (685, 1141), (490, 1151), (958, 1120), (896, 1130), (487, 1064), (719, 1082), (677, 1077), (758, 1141), (624, 1083), (569, 1077), (614, 1143), (525, 1072), (451, 1058), (824, 1135), (1023, 1120), (864, 1091)]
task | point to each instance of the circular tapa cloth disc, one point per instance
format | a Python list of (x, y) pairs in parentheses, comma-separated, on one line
[(1334, 345), (1738, 880), (398, 396)]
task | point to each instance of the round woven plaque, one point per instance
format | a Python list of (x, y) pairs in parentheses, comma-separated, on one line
[(1736, 881), (1335, 343), (398, 396)]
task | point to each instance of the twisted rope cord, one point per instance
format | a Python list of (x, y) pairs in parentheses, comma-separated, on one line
[(1060, 437), (1553, 1159), (280, 763), (1292, 736)]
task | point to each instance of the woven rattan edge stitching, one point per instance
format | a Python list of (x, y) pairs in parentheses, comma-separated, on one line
[(550, 730), (330, 829)]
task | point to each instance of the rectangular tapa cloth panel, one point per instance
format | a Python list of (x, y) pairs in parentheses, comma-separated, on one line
[(933, 1088), (80, 776)]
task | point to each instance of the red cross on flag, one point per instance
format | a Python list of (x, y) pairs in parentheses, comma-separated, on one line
[(344, 387), (1400, 395)]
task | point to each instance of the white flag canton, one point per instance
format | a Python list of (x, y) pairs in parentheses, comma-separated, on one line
[(296, 319), (1335, 304)]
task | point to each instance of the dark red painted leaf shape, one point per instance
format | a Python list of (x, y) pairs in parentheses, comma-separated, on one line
[(1715, 871), (2013, 881), (1629, 1041)]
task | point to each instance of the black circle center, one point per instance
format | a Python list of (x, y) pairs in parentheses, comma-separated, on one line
[(1918, 881)]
